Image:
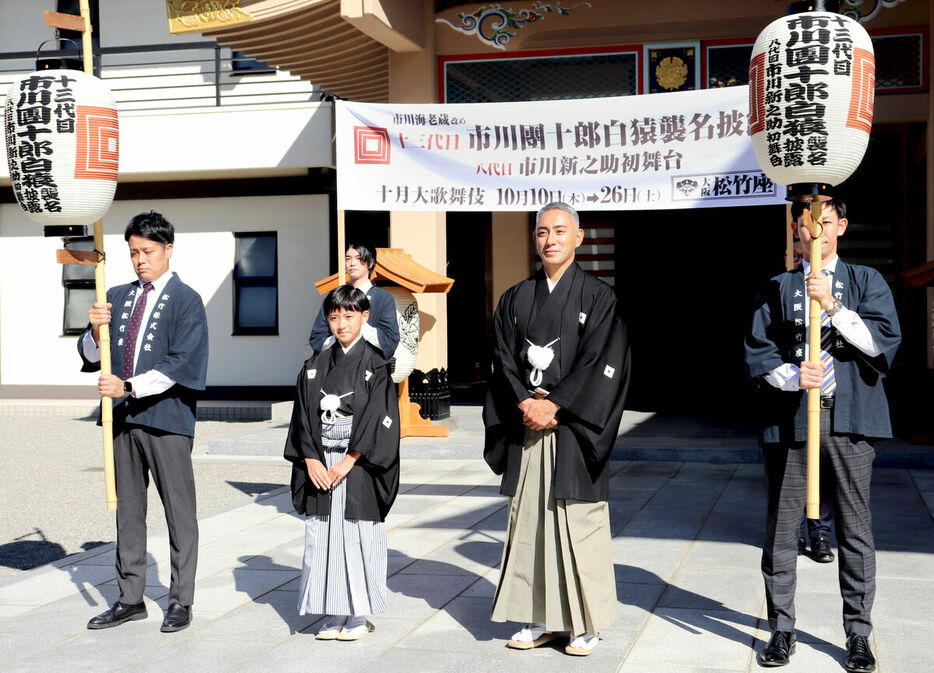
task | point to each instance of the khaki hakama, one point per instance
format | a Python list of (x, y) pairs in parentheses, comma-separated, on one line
[(557, 567)]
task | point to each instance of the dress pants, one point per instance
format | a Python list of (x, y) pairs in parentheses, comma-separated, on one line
[(846, 473), (139, 452)]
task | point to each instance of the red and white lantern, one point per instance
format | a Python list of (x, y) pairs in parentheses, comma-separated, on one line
[(811, 87), (62, 142)]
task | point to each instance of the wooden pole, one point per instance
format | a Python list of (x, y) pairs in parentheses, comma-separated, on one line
[(789, 240), (100, 287), (813, 221), (341, 249)]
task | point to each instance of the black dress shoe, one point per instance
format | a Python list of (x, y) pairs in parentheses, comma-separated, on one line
[(820, 550), (859, 657), (117, 615), (779, 650), (802, 546), (177, 617)]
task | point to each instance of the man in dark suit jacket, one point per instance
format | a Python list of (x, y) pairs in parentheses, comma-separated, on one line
[(859, 340), (382, 329), (159, 358)]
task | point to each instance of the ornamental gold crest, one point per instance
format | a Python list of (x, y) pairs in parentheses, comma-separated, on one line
[(671, 73)]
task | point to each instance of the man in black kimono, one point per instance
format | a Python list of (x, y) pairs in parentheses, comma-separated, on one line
[(382, 329), (159, 358), (560, 372), (860, 336)]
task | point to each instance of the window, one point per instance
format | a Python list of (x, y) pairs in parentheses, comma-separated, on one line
[(78, 282), (256, 284), (551, 77), (727, 65)]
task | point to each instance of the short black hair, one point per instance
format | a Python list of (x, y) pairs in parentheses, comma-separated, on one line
[(345, 298), (151, 225), (837, 203), (367, 256)]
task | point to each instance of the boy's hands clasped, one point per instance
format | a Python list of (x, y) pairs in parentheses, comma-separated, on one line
[(325, 479)]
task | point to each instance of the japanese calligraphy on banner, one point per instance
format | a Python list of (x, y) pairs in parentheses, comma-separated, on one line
[(674, 150)]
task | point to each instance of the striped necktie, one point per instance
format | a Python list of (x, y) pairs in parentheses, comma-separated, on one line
[(829, 384)]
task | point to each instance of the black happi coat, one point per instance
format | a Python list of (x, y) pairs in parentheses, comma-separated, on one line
[(373, 482), (587, 378), (777, 335), (178, 348)]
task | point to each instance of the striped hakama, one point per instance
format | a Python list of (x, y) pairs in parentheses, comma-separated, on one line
[(344, 568), (557, 567)]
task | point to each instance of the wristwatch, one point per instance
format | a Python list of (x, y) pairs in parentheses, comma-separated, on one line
[(837, 307), (128, 387)]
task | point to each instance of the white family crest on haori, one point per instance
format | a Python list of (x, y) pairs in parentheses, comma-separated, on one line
[(329, 404), (62, 141), (539, 357)]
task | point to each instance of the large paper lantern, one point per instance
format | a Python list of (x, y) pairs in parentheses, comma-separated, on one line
[(62, 143), (407, 319), (811, 88)]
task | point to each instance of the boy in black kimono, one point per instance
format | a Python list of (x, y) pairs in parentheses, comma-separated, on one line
[(343, 444)]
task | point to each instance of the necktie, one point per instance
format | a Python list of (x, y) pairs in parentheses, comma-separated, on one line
[(129, 355), (829, 383)]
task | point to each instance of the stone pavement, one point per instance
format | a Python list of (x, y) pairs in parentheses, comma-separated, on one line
[(685, 547)]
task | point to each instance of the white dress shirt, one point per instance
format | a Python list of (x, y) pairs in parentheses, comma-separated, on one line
[(148, 383), (368, 331), (847, 323)]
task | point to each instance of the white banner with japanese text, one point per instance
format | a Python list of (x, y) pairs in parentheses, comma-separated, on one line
[(672, 150)]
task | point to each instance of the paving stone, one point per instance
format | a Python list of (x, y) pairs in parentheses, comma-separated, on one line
[(463, 626), (685, 554), (715, 589), (405, 659), (684, 637)]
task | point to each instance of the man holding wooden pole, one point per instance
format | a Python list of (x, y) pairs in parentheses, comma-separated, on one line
[(159, 352), (858, 340)]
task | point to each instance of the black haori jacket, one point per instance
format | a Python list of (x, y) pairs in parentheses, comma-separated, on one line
[(373, 482), (175, 342), (588, 379)]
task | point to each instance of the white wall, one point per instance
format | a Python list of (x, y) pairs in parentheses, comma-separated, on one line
[(125, 22), (33, 352), (152, 80), (217, 139), (22, 24), (223, 139)]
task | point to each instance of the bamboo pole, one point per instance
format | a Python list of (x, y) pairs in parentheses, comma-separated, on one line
[(100, 288), (341, 249), (813, 221), (789, 240)]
